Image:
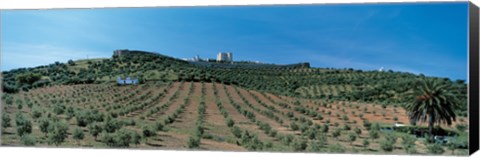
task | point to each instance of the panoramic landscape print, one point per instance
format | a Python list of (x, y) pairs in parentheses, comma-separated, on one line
[(360, 79)]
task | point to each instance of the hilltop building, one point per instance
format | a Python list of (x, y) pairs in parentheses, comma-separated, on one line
[(225, 57), (126, 52), (120, 52), (196, 58)]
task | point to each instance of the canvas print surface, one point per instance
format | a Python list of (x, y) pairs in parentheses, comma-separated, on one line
[(349, 78)]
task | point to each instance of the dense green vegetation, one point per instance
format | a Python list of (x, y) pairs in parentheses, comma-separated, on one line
[(295, 80)]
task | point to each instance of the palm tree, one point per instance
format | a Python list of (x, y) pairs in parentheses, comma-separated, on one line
[(433, 103)]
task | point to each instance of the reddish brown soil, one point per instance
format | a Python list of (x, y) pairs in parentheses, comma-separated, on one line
[(281, 129), (240, 121), (100, 97)]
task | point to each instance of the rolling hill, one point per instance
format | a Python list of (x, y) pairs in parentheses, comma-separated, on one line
[(213, 106), (298, 80)]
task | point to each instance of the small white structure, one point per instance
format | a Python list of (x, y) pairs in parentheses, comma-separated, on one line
[(196, 58), (399, 125), (120, 80), (225, 57), (127, 81), (381, 69)]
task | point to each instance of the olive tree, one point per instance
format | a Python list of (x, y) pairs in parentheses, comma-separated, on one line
[(78, 135), (6, 120), (24, 126), (44, 125), (95, 129), (57, 133), (148, 132)]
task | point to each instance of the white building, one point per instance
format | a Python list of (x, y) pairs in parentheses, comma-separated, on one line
[(381, 69), (225, 57), (196, 58)]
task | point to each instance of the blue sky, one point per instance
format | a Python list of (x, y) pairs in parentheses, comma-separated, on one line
[(428, 38)]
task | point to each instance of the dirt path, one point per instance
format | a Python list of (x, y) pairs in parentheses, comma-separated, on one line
[(167, 139), (216, 125), (184, 125)]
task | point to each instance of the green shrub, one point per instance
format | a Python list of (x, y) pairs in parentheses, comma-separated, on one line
[(136, 138), (70, 112), (24, 126), (28, 140), (236, 131), (365, 143), (294, 126), (299, 144), (336, 133), (273, 133), (199, 130), (408, 143), (230, 122), (290, 114), (352, 137), (324, 128), (193, 142), (336, 124), (319, 117), (345, 118), (6, 120), (311, 134), (373, 134), (346, 127), (388, 144), (111, 125), (159, 126), (287, 139), (95, 129), (357, 130), (148, 132), (435, 149), (78, 134), (57, 133), (337, 148), (367, 124), (36, 114), (44, 124), (268, 145), (108, 139), (322, 140), (59, 109), (251, 142), (123, 138)]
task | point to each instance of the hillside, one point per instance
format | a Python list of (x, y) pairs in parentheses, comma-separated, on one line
[(240, 106), (297, 80), (229, 117)]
